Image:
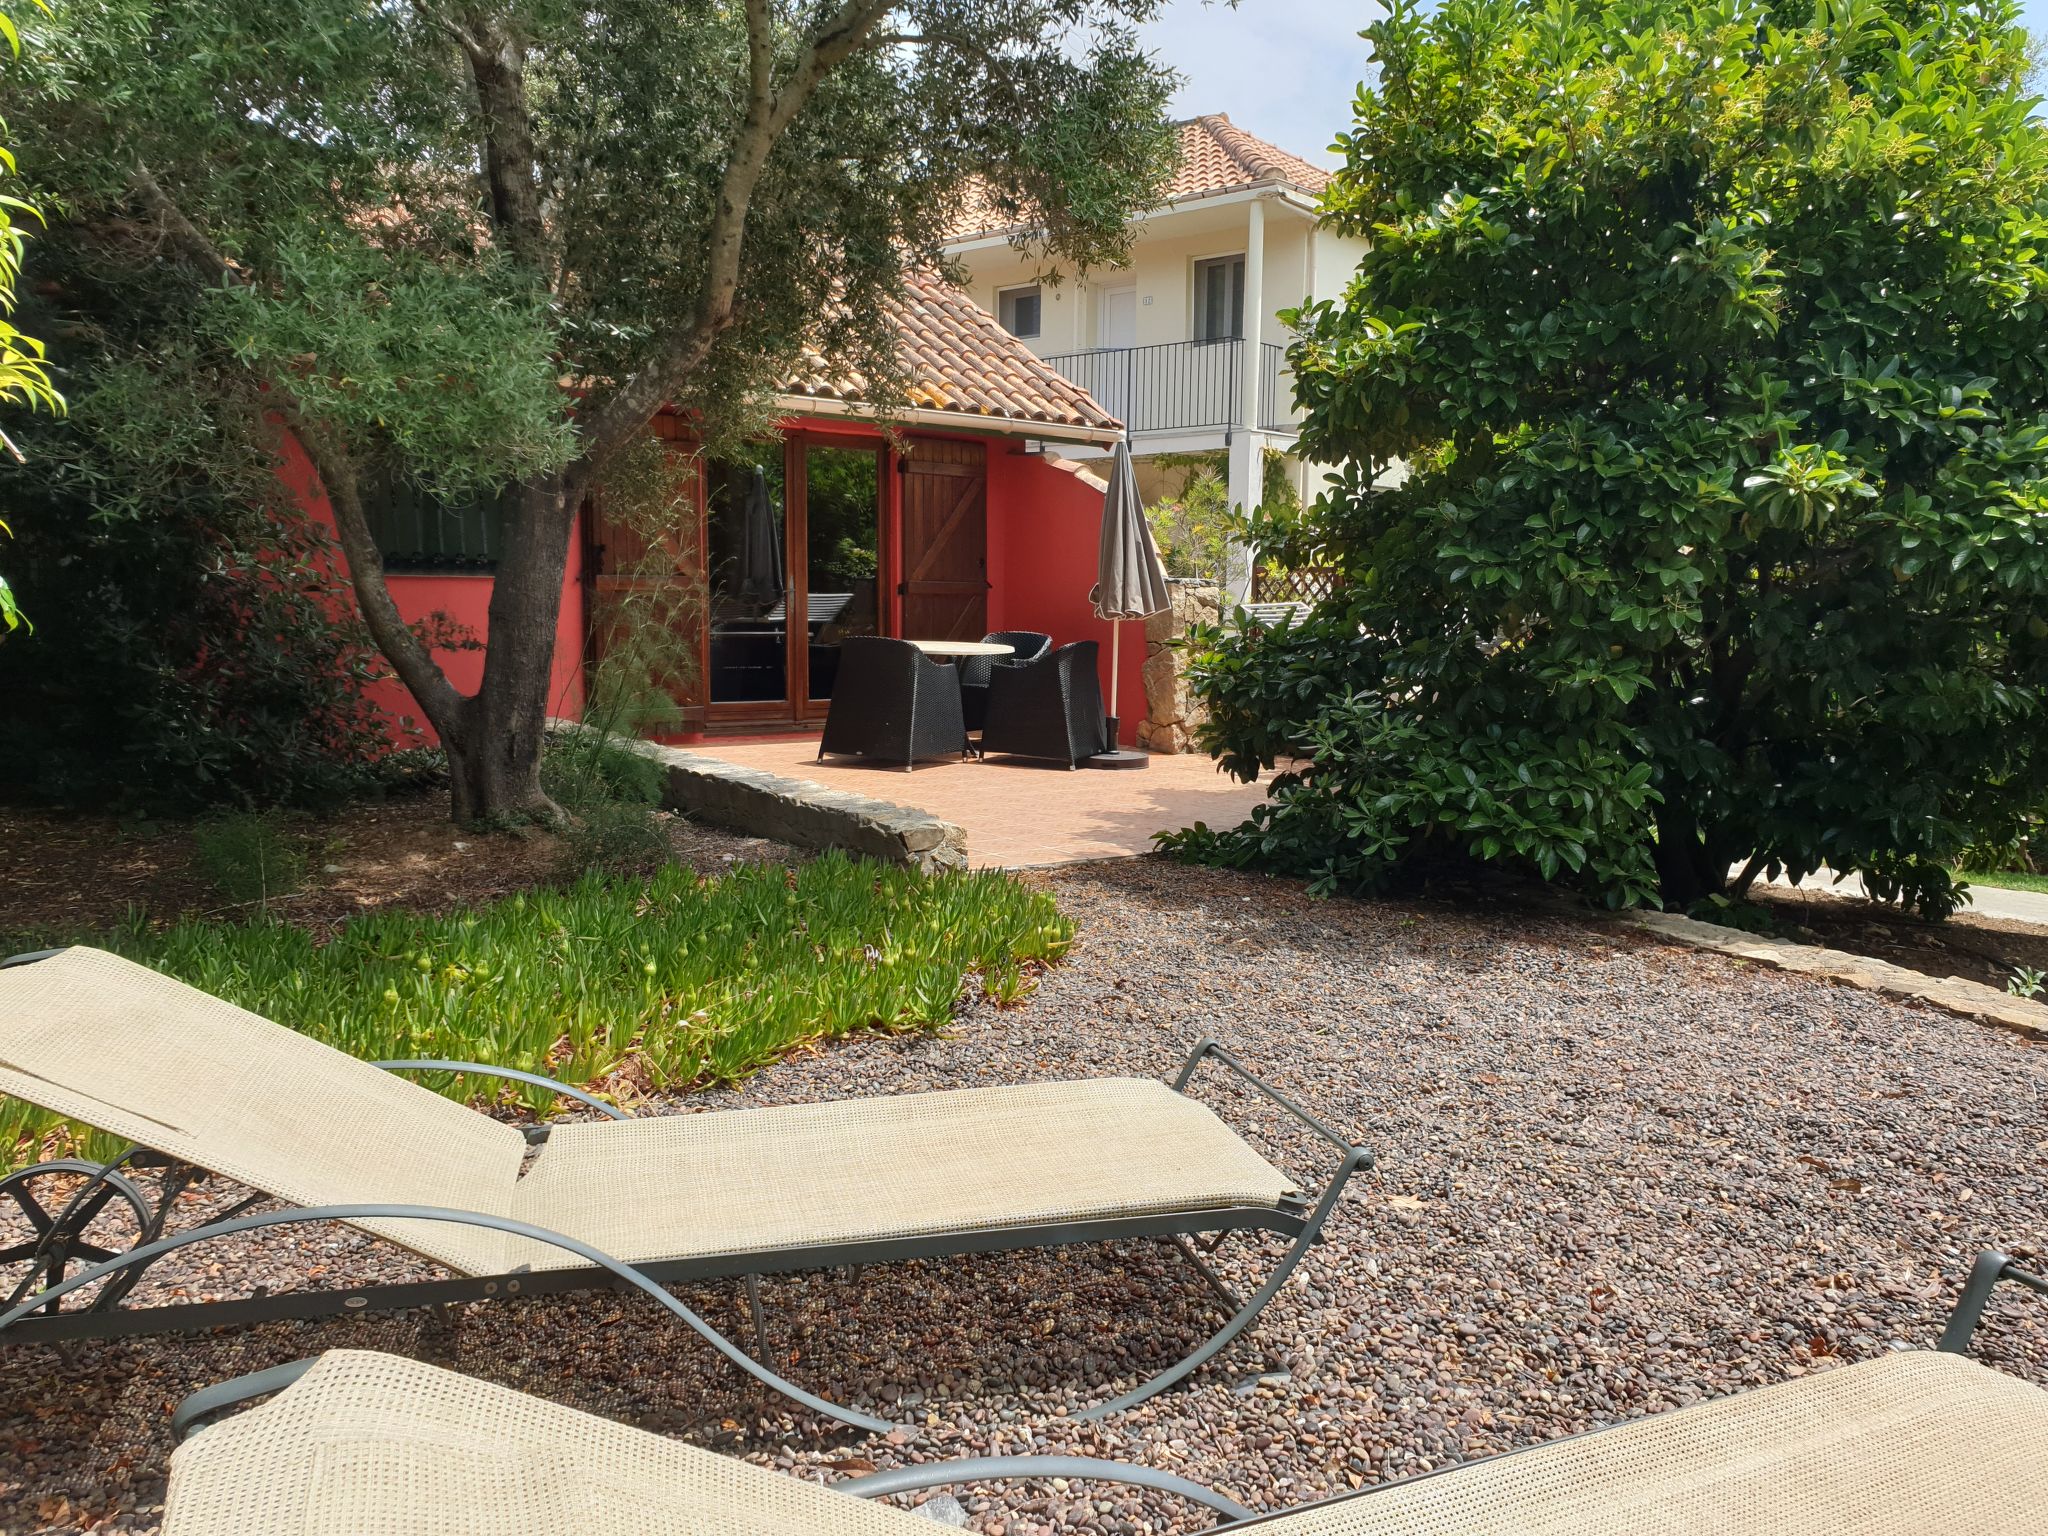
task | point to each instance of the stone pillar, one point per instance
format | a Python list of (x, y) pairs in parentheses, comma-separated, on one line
[(1170, 714)]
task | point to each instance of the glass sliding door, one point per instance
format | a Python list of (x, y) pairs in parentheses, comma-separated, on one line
[(745, 523), (842, 519)]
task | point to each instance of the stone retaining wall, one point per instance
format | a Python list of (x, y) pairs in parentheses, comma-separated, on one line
[(1957, 994), (1171, 713), (808, 815)]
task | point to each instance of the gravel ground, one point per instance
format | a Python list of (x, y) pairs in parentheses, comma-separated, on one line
[(1614, 1178)]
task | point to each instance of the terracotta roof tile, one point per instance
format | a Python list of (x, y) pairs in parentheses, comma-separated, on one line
[(960, 361), (1215, 156)]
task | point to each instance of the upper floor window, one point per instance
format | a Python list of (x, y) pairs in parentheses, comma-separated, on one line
[(1219, 298), (1018, 308), (416, 531)]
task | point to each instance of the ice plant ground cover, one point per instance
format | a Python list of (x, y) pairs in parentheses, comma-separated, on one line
[(665, 983)]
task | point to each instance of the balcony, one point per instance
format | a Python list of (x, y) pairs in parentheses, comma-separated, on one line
[(1182, 386)]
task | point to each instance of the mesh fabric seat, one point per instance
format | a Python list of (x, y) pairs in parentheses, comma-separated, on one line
[(140, 1055), (372, 1445), (915, 1165), (136, 1053), (1914, 1444)]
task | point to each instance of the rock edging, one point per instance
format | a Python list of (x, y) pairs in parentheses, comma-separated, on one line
[(802, 813), (1970, 999)]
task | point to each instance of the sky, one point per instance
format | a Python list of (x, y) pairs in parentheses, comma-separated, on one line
[(1287, 69)]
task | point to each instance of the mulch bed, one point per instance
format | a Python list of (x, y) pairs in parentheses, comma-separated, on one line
[(66, 872), (1615, 1177)]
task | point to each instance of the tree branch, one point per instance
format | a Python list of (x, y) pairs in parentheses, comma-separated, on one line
[(180, 231), (497, 63), (930, 39), (414, 664), (770, 111)]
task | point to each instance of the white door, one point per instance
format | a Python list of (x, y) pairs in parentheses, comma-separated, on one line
[(1110, 378), (1116, 317)]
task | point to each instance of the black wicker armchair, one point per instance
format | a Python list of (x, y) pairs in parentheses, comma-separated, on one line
[(1051, 707), (1025, 645), (892, 701)]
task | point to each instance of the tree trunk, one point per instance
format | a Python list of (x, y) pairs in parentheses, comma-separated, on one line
[(495, 747), (1688, 868)]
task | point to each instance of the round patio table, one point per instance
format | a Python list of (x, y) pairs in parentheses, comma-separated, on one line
[(952, 649)]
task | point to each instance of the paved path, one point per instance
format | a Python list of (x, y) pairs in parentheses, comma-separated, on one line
[(1985, 900), (1020, 814)]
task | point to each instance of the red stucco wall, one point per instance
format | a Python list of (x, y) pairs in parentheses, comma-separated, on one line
[(465, 602), (1044, 523), (1043, 519)]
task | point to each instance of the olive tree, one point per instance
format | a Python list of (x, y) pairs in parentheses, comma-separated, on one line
[(475, 246), (1708, 336)]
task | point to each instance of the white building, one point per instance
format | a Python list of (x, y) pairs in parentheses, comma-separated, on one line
[(1185, 344)]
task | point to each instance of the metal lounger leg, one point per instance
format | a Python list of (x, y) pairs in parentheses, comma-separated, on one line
[(151, 1252), (1985, 1275), (1355, 1160), (992, 1469), (1223, 1293), (1352, 1159)]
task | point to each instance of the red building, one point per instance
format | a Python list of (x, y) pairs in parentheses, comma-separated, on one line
[(954, 517)]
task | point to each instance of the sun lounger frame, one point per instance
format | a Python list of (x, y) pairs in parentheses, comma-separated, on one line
[(38, 1318), (1989, 1270)]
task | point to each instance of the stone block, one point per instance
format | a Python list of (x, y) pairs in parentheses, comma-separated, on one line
[(802, 813)]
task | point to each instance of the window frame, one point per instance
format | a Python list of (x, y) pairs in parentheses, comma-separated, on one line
[(475, 527), (1005, 310), (1233, 265)]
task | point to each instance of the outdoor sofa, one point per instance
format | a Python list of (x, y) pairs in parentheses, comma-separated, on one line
[(199, 1084), (1920, 1443)]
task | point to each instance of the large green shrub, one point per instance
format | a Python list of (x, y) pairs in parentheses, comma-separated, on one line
[(191, 644), (1712, 335)]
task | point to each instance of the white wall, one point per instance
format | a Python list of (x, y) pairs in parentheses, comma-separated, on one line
[(1301, 262)]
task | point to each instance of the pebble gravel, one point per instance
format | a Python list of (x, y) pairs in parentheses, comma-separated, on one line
[(1614, 1178)]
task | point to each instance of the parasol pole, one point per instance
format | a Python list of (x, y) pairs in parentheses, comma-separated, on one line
[(1116, 637)]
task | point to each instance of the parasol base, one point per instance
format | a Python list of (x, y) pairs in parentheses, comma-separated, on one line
[(1123, 757)]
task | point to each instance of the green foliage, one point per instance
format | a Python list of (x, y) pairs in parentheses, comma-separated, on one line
[(591, 767), (1193, 527), (24, 371), (1710, 331), (193, 647), (249, 857), (450, 371), (421, 231), (675, 981)]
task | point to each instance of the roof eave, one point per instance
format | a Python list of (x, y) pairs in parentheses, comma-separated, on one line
[(1286, 193), (799, 404)]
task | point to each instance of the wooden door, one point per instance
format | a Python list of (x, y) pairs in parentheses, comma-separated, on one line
[(945, 540)]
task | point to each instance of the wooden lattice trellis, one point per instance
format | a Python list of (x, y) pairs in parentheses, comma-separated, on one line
[(1310, 584)]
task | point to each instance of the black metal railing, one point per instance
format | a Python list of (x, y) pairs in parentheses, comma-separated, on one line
[(1180, 386)]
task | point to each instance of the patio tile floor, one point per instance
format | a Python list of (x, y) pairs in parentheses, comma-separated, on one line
[(1019, 813)]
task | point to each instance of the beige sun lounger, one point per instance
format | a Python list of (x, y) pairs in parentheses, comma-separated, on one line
[(196, 1080), (1917, 1444)]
